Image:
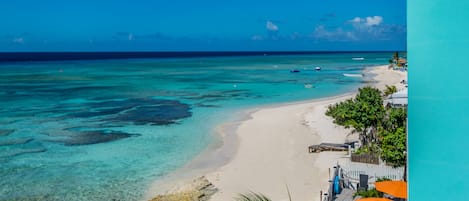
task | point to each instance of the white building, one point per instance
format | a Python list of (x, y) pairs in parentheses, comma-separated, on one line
[(398, 99)]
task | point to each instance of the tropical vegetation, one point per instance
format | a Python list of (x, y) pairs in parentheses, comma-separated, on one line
[(382, 131), (389, 90), (372, 193), (252, 197), (364, 114)]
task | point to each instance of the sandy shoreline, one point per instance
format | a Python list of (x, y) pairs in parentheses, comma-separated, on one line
[(267, 149)]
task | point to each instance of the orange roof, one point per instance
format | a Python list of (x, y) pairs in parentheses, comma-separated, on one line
[(395, 188)]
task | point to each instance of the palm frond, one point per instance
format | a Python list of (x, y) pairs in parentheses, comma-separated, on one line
[(251, 196), (288, 191)]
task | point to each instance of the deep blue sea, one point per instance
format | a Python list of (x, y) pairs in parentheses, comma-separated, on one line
[(106, 129)]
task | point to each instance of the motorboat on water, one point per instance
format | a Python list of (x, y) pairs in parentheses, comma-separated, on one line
[(358, 58), (294, 71), (317, 68)]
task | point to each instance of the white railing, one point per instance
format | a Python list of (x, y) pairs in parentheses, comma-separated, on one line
[(351, 172)]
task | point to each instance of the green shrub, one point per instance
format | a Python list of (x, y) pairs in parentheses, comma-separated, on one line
[(368, 193), (382, 179)]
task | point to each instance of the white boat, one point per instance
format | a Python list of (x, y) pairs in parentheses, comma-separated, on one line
[(317, 68), (358, 58), (309, 86), (353, 75)]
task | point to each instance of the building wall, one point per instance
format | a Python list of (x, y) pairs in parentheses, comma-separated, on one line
[(438, 56)]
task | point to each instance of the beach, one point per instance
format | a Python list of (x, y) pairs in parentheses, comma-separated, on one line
[(272, 153), (271, 149)]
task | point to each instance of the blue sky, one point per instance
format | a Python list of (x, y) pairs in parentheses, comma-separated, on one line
[(206, 25)]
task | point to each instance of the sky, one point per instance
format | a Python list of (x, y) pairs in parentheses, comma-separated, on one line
[(202, 25)]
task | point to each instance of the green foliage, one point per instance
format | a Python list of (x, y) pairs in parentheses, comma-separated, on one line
[(389, 90), (393, 137), (363, 113), (395, 118), (393, 147), (342, 113), (371, 148), (252, 197), (395, 56), (369, 110), (372, 193), (382, 179)]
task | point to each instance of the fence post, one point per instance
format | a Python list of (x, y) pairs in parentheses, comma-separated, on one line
[(349, 151)]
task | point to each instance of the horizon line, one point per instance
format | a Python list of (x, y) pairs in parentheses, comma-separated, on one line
[(13, 57)]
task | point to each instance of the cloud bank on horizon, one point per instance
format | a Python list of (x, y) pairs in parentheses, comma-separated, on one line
[(206, 26)]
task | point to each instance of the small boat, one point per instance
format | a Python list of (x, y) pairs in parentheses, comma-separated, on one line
[(294, 71), (358, 58), (309, 86), (317, 68), (353, 75)]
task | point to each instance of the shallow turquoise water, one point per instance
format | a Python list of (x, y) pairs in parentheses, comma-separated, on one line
[(103, 130)]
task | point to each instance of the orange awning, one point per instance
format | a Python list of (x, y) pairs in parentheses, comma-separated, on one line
[(374, 199), (395, 188)]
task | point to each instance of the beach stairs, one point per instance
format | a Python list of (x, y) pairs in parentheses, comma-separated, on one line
[(345, 195), (328, 147)]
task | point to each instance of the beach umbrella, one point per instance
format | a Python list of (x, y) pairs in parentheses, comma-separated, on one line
[(395, 188), (374, 199)]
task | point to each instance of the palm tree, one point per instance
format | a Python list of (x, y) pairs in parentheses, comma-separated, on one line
[(396, 56), (389, 90)]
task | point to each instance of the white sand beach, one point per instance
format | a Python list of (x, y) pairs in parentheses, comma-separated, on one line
[(272, 149), (269, 150)]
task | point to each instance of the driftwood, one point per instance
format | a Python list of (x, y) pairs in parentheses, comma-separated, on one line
[(327, 147)]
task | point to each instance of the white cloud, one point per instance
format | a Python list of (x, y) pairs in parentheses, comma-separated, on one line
[(360, 28), (320, 32), (372, 21), (19, 40), (356, 20), (368, 21), (271, 26)]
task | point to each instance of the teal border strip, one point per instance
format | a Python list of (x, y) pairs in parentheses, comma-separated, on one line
[(438, 135)]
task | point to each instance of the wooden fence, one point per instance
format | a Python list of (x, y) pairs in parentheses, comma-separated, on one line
[(365, 158)]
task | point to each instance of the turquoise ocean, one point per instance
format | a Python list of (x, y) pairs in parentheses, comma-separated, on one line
[(107, 129)]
